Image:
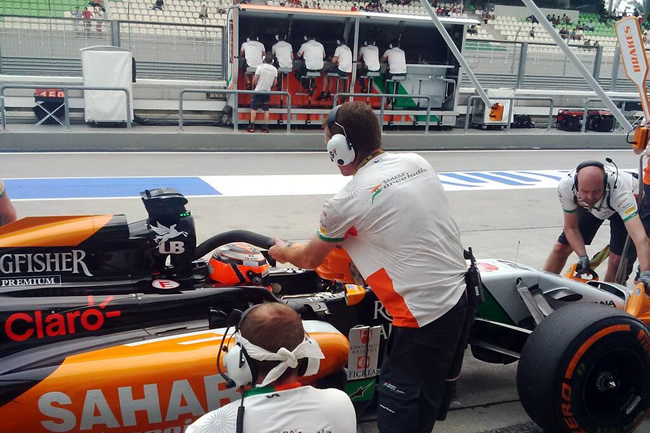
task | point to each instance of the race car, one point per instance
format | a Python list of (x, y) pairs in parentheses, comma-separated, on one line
[(111, 326)]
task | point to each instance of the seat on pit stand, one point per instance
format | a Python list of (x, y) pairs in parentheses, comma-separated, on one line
[(395, 79), (369, 75), (338, 79), (284, 87)]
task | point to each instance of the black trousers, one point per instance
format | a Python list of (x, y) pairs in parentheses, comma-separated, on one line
[(414, 372)]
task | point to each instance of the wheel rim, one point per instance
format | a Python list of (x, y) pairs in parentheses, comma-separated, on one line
[(614, 386)]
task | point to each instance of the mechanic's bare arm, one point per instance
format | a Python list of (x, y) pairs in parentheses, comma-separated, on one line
[(7, 210), (637, 233), (572, 233), (304, 256), (275, 83), (255, 79)]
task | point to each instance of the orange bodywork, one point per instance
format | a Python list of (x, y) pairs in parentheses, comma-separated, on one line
[(51, 231), (162, 384), (638, 304)]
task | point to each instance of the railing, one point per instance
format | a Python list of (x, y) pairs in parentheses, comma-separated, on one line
[(66, 106), (382, 110), (235, 117), (511, 99), (583, 128)]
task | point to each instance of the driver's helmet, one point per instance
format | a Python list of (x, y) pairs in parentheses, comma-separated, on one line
[(338, 266), (239, 264)]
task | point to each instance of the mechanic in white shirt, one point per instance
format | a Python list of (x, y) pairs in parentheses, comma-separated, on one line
[(313, 54), (589, 195), (369, 56), (253, 51), (283, 52), (342, 61), (7, 210), (282, 405), (265, 79), (395, 222), (396, 63)]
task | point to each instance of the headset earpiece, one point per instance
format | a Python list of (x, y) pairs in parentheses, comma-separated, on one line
[(339, 147)]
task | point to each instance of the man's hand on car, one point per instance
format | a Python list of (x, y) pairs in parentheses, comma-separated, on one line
[(584, 267)]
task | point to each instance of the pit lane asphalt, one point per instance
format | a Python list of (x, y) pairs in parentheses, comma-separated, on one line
[(510, 224)]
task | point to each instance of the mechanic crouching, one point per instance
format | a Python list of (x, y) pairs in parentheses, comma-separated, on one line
[(394, 221), (270, 346), (589, 195), (7, 211)]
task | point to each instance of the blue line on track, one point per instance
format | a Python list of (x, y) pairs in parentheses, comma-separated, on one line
[(516, 176), (496, 179), (550, 176), (103, 187), (462, 177)]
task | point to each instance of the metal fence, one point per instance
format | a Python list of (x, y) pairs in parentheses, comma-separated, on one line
[(50, 46)]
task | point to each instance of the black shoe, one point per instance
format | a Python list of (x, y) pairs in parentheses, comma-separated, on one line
[(265, 129), (322, 97), (328, 96), (251, 127)]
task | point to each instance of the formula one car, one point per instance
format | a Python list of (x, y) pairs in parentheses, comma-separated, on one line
[(110, 326)]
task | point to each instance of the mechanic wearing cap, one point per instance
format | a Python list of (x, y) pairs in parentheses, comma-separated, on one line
[(394, 221), (342, 61), (589, 195), (7, 211), (253, 51), (313, 54), (274, 339)]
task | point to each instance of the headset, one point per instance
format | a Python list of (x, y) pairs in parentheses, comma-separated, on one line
[(339, 146), (280, 37), (585, 164)]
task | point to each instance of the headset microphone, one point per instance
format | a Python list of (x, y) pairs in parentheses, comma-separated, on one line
[(612, 162)]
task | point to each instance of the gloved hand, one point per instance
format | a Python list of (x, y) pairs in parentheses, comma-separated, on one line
[(644, 278), (584, 267)]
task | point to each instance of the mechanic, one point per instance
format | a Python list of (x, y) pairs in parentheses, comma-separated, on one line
[(418, 274), (253, 51), (273, 339), (396, 63), (313, 55), (589, 195), (342, 65), (644, 210), (7, 210), (369, 59), (266, 78)]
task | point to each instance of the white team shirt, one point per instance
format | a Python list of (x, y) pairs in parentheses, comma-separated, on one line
[(370, 56), (305, 409), (254, 52), (396, 60), (282, 50), (394, 221), (267, 74), (619, 199), (313, 52), (344, 56)]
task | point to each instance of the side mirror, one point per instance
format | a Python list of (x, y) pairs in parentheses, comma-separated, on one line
[(354, 294)]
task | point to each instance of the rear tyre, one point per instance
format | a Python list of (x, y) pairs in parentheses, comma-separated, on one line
[(586, 368)]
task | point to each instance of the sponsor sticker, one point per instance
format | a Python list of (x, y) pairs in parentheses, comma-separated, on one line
[(165, 284), (43, 280), (364, 352), (360, 390)]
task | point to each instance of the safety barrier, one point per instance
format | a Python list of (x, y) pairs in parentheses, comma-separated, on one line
[(583, 128), (382, 111), (511, 99), (235, 117), (66, 106)]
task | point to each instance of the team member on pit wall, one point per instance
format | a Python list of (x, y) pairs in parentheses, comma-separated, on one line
[(274, 344), (253, 51), (266, 78), (342, 61), (7, 211), (312, 53), (589, 195), (394, 221)]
